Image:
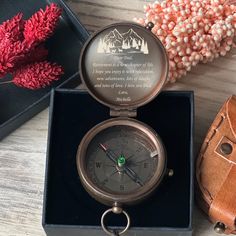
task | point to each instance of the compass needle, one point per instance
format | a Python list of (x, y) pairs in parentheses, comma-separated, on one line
[(103, 147), (108, 152)]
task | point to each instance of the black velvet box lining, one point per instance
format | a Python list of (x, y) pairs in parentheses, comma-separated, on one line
[(66, 202)]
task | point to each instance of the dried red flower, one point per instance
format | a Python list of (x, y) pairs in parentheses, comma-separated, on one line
[(11, 54), (11, 32), (12, 29), (37, 75), (14, 49), (37, 54), (41, 25)]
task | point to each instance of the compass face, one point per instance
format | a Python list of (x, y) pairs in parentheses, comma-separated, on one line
[(121, 160)]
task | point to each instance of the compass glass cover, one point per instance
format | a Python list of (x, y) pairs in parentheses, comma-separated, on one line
[(121, 159)]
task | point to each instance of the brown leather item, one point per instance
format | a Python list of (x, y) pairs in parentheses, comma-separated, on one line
[(216, 169)]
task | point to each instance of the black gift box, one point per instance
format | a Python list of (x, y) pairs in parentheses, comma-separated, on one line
[(18, 104), (69, 210)]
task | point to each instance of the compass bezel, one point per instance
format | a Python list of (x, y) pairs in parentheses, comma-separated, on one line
[(121, 199)]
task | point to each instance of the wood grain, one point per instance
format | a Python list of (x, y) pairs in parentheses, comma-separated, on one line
[(22, 154)]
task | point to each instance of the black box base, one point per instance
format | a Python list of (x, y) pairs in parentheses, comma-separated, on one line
[(69, 210)]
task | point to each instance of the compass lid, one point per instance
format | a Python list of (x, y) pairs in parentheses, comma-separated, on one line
[(124, 66)]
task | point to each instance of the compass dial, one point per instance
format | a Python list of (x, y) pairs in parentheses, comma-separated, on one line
[(121, 160)]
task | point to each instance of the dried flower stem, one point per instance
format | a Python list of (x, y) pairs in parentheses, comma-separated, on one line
[(6, 82)]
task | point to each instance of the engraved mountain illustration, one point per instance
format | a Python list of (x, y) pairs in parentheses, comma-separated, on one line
[(128, 42), (114, 37), (132, 38)]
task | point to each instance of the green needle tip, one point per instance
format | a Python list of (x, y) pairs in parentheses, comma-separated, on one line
[(121, 160)]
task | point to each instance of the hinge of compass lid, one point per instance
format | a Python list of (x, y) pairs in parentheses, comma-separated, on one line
[(123, 112)]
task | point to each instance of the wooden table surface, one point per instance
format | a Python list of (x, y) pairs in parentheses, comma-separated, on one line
[(22, 153)]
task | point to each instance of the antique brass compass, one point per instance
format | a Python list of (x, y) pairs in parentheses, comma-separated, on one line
[(121, 161)]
